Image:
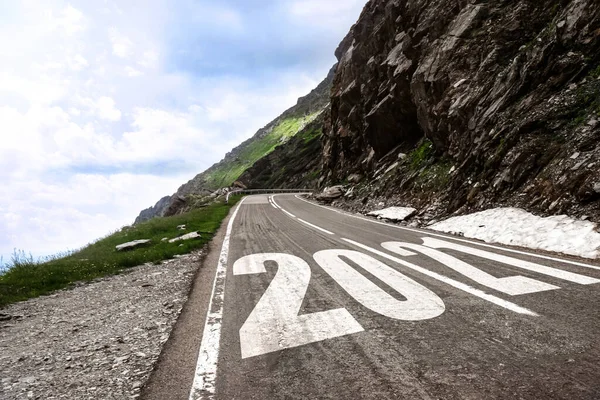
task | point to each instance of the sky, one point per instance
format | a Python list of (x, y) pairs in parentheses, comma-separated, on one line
[(107, 106)]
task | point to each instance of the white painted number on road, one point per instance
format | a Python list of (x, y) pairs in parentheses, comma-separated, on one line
[(421, 303), (512, 285), (515, 262), (274, 324)]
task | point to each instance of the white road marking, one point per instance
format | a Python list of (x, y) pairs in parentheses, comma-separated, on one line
[(459, 285), (420, 304), (288, 213), (271, 202), (427, 232), (540, 269), (275, 203), (512, 285), (303, 221), (315, 227), (281, 208), (204, 384), (274, 323)]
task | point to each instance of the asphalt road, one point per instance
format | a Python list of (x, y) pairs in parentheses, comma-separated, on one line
[(313, 303)]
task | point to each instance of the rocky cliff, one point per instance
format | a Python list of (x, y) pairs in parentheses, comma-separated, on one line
[(457, 105), (157, 210), (297, 164)]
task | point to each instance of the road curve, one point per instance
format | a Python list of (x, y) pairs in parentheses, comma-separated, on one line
[(308, 302)]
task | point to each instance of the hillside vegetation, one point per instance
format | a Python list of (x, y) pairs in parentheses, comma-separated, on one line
[(226, 173), (274, 135), (26, 278)]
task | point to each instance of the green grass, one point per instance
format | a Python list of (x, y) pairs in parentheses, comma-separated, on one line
[(436, 176), (26, 278), (228, 173), (309, 135), (421, 154)]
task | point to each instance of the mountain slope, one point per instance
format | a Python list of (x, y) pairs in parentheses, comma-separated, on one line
[(305, 118)]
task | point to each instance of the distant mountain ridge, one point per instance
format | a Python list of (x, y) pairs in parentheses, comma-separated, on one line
[(307, 113)]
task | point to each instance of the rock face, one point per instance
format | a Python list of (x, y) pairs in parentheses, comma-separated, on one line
[(293, 165), (467, 104), (157, 211)]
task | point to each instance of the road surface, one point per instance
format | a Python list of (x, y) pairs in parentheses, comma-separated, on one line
[(310, 302)]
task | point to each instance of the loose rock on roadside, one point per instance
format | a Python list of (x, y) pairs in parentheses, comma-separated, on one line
[(96, 341)]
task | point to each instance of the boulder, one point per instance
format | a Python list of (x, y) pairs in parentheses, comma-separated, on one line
[(331, 193), (394, 213), (355, 178), (132, 245), (189, 236)]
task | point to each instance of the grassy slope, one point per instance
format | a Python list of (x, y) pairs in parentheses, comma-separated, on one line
[(27, 279), (228, 172)]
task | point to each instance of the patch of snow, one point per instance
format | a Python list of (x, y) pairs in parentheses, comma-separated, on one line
[(394, 213), (517, 227)]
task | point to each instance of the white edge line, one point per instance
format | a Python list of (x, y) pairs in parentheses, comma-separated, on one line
[(204, 384), (428, 232), (314, 226), (458, 285)]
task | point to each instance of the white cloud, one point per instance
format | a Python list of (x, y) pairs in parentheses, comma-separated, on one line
[(132, 72), (121, 44), (149, 59), (71, 20), (82, 141), (107, 110), (77, 62)]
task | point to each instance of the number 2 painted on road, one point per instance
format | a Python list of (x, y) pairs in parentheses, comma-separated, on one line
[(274, 323)]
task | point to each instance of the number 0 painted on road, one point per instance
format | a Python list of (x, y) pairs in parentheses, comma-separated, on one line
[(274, 324), (420, 304)]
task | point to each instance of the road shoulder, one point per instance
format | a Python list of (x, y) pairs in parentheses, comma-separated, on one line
[(173, 374)]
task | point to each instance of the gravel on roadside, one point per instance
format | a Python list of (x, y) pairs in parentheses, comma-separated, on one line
[(99, 340)]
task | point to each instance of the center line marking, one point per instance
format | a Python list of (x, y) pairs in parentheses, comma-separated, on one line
[(459, 285), (301, 220), (288, 213), (316, 227), (205, 378)]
